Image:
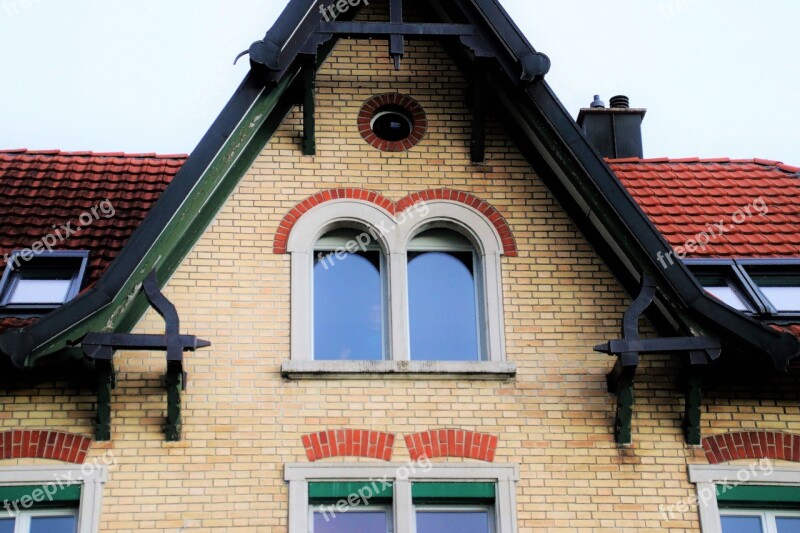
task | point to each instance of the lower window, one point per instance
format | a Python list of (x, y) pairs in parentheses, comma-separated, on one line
[(44, 521), (374, 520), (754, 498), (326, 499), (759, 522), (51, 499), (454, 507), (462, 519)]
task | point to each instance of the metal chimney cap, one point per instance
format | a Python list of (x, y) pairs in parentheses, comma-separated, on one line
[(597, 103), (620, 102)]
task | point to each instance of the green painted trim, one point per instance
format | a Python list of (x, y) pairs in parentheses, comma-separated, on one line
[(761, 496), (428, 492), (364, 491), (174, 384), (45, 493)]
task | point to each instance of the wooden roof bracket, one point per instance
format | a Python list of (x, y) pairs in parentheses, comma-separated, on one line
[(101, 347), (620, 380)]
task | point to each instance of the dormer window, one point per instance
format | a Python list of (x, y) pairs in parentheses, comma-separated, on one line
[(36, 283), (778, 282), (768, 288)]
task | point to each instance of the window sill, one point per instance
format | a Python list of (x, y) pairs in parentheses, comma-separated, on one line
[(438, 370)]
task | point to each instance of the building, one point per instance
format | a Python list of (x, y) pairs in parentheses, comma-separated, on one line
[(398, 287)]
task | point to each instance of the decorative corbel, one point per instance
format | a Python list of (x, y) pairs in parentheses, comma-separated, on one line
[(100, 347), (620, 380)]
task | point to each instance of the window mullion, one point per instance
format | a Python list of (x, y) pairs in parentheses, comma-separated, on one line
[(752, 290), (403, 507), (397, 281), (23, 523), (771, 523)]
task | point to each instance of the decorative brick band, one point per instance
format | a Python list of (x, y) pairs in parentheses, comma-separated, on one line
[(497, 220), (42, 444), (752, 445), (348, 443), (452, 443)]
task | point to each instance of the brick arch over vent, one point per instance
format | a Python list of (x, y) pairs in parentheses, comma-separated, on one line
[(43, 444), (348, 443), (752, 445), (452, 443), (291, 218)]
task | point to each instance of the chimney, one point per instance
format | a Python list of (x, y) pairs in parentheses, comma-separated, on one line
[(616, 131)]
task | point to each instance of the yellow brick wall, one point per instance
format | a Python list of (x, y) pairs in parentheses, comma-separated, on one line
[(243, 422)]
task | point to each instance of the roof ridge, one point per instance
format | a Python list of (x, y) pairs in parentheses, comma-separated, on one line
[(791, 169), (149, 155)]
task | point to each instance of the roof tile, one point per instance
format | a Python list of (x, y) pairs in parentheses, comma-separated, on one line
[(48, 189)]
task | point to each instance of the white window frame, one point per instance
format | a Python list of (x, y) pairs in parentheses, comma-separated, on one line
[(91, 477), (707, 477), (768, 523), (403, 510), (394, 243), (23, 518)]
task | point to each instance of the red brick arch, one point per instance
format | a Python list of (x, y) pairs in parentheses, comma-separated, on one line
[(452, 443), (499, 222), (348, 443), (43, 444), (752, 445)]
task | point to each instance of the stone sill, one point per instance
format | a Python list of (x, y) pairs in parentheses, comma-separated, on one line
[(438, 370)]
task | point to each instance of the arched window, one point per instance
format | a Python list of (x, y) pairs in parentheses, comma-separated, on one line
[(348, 299), (443, 297), (420, 284)]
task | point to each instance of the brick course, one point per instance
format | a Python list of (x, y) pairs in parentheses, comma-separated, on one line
[(348, 443)]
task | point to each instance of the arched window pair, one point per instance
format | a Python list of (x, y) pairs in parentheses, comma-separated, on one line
[(421, 286)]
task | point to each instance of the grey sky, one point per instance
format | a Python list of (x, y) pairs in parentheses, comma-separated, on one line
[(719, 77)]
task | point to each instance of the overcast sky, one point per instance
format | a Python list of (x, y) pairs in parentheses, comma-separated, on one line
[(719, 77)]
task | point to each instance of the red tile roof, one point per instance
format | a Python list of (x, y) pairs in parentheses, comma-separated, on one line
[(43, 189), (686, 198)]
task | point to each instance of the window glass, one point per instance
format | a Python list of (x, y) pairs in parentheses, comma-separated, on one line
[(741, 524), (783, 299), (788, 525), (53, 524), (39, 290), (352, 522), (442, 298), (781, 289), (48, 279), (728, 296), (348, 303), (455, 521)]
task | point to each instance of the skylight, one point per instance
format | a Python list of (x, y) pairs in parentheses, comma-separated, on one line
[(760, 287), (41, 282)]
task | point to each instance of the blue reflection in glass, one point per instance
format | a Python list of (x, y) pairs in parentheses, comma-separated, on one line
[(788, 525), (348, 311), (351, 522), (741, 524), (453, 522), (53, 524), (7, 525), (443, 318)]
